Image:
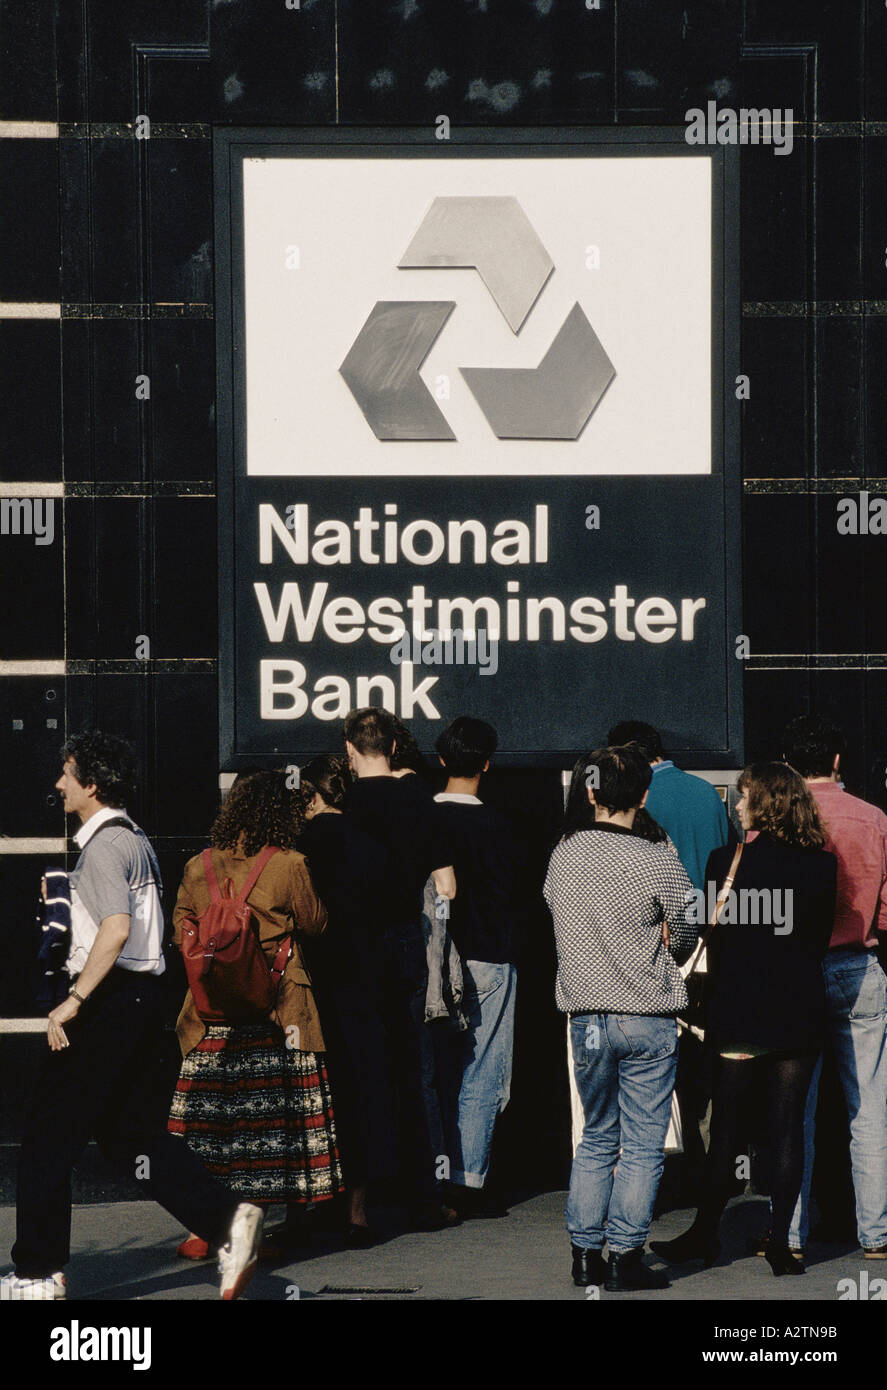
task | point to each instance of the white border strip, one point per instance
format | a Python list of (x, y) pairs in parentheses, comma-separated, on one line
[(33, 844), (56, 489), (8, 310), (32, 668), (22, 1025), (29, 130)]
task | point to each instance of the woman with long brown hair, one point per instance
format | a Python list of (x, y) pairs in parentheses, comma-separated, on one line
[(253, 1099), (765, 1008)]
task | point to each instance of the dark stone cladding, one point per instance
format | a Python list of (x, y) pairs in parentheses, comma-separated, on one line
[(119, 233)]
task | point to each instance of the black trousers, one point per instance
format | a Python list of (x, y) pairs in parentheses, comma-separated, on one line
[(693, 1087), (101, 1086), (402, 1001)]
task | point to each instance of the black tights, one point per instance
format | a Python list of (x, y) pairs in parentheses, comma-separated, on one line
[(787, 1081)]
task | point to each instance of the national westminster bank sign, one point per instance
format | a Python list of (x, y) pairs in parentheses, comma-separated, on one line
[(477, 438)]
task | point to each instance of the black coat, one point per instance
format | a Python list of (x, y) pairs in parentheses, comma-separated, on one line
[(348, 967), (347, 869), (765, 985)]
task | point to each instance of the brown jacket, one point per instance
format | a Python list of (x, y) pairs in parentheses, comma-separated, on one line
[(283, 899)]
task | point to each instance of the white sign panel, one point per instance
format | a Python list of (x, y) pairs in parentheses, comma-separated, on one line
[(622, 246)]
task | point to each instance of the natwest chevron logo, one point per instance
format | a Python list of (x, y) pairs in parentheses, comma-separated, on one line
[(493, 236)]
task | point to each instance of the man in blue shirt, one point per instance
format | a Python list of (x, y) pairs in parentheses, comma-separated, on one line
[(687, 808)]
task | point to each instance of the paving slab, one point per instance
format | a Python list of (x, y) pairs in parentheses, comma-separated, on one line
[(126, 1251)]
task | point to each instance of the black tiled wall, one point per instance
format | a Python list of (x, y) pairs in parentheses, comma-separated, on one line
[(119, 233)]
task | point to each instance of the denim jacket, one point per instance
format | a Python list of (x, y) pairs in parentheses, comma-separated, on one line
[(445, 990)]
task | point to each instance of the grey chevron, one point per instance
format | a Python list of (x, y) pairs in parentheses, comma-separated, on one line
[(382, 369), (494, 236), (553, 400)]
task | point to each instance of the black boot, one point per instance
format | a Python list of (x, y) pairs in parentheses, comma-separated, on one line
[(626, 1273), (589, 1266), (782, 1261)]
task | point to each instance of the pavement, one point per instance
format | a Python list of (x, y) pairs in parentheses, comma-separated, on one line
[(126, 1251)]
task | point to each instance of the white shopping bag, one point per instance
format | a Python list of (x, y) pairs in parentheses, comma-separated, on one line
[(674, 1139)]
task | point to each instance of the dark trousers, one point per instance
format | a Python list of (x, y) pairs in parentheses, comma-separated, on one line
[(693, 1087), (360, 1073), (101, 1086), (412, 1051)]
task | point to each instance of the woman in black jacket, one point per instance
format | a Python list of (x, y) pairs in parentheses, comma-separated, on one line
[(765, 1008)]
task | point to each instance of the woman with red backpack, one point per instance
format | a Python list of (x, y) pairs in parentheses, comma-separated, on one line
[(253, 1099)]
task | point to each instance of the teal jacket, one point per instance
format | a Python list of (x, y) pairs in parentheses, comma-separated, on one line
[(692, 813)]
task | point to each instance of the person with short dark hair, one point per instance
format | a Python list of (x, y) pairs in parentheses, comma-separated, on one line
[(400, 815), (406, 757), (482, 925), (856, 987), (811, 744), (688, 808), (579, 815), (693, 815), (105, 761), (765, 1005), (466, 746), (579, 811), (96, 1077), (648, 739), (620, 908), (370, 733)]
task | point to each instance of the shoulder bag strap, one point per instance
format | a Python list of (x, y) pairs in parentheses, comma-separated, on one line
[(719, 903), (256, 870)]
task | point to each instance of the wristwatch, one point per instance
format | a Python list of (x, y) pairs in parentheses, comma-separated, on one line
[(79, 997)]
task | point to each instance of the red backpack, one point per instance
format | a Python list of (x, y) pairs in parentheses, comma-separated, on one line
[(228, 972)]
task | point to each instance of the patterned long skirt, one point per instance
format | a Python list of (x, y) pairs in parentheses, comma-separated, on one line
[(259, 1115)]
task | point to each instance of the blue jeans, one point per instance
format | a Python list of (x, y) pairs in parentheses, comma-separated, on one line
[(484, 1077), (624, 1065), (856, 993)]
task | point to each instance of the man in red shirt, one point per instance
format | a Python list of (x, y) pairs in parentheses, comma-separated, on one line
[(856, 986)]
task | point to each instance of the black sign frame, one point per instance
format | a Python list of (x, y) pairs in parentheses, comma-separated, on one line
[(233, 145)]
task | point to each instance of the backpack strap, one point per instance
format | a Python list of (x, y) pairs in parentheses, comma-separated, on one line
[(212, 883), (256, 870)]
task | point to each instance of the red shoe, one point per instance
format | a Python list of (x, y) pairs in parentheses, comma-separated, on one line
[(193, 1249)]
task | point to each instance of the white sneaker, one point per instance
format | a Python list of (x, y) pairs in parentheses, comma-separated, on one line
[(237, 1258), (12, 1288)]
